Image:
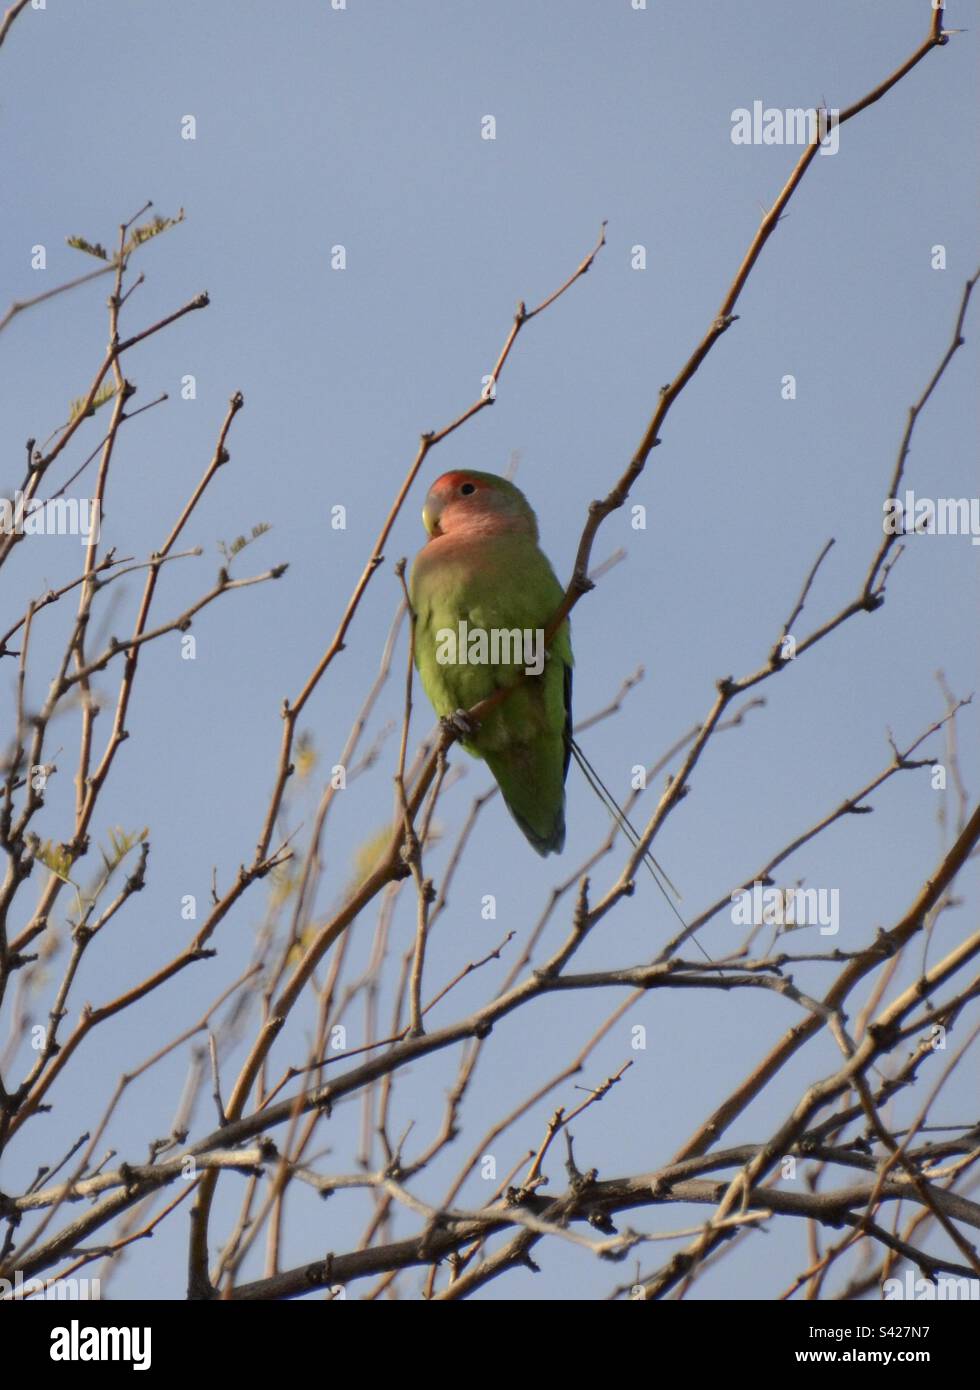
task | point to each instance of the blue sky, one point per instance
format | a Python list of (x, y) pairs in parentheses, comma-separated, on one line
[(361, 128)]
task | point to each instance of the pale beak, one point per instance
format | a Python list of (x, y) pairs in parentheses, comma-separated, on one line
[(430, 516)]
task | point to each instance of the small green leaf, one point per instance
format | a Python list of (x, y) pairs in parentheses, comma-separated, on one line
[(240, 542), (152, 229), (100, 398), (57, 858), (121, 843), (92, 248)]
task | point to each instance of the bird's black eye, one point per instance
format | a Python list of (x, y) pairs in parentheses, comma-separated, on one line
[(467, 488)]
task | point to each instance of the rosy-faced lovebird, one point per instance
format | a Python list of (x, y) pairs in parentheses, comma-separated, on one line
[(483, 595)]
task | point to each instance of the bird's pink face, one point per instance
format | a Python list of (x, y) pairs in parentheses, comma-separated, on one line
[(457, 501)]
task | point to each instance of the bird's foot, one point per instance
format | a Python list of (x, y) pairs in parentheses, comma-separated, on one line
[(460, 724)]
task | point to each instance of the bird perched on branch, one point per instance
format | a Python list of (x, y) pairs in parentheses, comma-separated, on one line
[(484, 594)]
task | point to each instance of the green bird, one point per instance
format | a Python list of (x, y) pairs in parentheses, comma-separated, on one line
[(483, 594)]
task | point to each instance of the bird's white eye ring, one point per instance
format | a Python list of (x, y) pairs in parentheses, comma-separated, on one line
[(467, 488)]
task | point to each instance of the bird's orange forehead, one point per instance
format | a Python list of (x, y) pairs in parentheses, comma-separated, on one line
[(450, 481)]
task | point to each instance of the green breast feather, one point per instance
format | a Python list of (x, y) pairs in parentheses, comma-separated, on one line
[(495, 586)]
